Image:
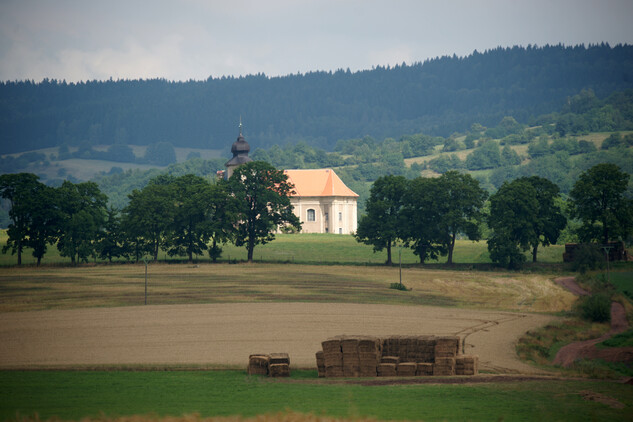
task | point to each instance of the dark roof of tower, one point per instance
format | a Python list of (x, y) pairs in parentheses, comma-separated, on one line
[(240, 149)]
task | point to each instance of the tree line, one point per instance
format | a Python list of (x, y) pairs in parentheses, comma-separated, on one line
[(438, 97), (428, 214), (184, 215)]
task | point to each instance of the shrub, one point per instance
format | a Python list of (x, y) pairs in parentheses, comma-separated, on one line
[(398, 286), (596, 308), (587, 257)]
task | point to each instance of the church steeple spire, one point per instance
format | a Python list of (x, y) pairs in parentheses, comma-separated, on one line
[(240, 149)]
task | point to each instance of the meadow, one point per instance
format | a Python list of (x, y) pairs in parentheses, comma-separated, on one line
[(74, 395), (316, 249)]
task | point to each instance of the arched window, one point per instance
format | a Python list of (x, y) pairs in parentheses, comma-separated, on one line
[(311, 215)]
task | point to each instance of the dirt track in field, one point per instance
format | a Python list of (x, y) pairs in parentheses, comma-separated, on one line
[(226, 334)]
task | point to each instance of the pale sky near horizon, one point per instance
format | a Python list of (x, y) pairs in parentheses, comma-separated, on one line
[(77, 40)]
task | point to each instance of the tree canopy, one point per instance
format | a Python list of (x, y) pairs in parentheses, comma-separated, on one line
[(598, 200), (262, 196)]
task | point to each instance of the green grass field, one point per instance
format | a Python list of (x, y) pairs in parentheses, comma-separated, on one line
[(74, 395), (317, 249)]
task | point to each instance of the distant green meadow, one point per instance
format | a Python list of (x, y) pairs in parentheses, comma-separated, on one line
[(315, 249), (73, 395)]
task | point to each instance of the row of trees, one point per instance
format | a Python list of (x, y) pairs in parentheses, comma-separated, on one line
[(183, 215), (428, 214)]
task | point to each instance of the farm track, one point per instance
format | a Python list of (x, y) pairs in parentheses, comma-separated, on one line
[(226, 334), (587, 349)]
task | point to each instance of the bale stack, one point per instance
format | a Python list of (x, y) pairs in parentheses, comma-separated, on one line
[(387, 369), (320, 359), (446, 347), (406, 369), (333, 358), (444, 366), (369, 352), (258, 364), (467, 365), (279, 365), (425, 349), (354, 356), (351, 360), (424, 369)]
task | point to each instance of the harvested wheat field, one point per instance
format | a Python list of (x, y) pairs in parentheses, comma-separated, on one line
[(227, 334)]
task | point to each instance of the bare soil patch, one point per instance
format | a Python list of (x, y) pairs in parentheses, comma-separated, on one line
[(570, 353), (226, 334)]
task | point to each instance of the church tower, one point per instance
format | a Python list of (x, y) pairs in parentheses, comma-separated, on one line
[(240, 151)]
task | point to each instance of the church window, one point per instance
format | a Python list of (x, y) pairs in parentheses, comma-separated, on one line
[(311, 215)]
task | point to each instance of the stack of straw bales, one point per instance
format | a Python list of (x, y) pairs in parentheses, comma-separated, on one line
[(361, 356), (347, 356), (258, 364), (466, 365), (273, 364), (320, 359), (333, 357)]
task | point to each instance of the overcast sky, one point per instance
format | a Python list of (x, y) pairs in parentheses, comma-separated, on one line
[(193, 39)]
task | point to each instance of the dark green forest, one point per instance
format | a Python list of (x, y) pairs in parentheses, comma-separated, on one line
[(437, 97)]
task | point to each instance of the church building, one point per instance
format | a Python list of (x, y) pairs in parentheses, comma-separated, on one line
[(323, 203)]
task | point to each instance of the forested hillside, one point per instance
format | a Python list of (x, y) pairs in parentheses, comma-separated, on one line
[(437, 97)]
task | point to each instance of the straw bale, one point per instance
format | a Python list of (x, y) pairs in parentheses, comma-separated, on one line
[(447, 346), (321, 371), (279, 370), (390, 359), (351, 372), (279, 358), (467, 365), (424, 369), (259, 360), (368, 371), (258, 364), (368, 344), (332, 345), (320, 357), (349, 345), (334, 372), (387, 370), (406, 369), (444, 366), (333, 359)]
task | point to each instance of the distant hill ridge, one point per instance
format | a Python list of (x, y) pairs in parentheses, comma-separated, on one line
[(437, 97)]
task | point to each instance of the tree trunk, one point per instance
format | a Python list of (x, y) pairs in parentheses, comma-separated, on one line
[(534, 252), (19, 248), (39, 260), (388, 253), (451, 246), (215, 258)]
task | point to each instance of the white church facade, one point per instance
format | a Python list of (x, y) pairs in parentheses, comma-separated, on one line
[(323, 203)]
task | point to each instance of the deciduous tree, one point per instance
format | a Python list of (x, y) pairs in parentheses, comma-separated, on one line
[(598, 199), (263, 197), (382, 225)]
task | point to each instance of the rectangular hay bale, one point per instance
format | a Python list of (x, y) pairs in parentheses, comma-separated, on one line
[(387, 370), (276, 358), (406, 369), (279, 370), (424, 369)]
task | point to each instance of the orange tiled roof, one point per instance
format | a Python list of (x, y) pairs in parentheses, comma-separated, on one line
[(320, 182)]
